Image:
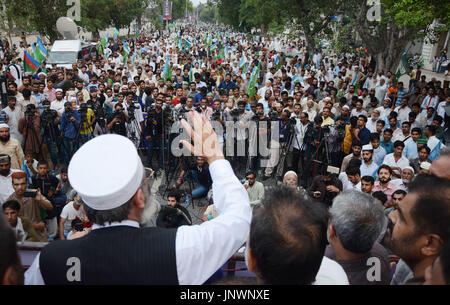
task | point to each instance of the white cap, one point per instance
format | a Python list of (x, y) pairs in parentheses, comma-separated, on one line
[(106, 172), (425, 165), (4, 125), (346, 107), (367, 147), (59, 90)]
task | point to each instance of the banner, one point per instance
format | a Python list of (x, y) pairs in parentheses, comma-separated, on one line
[(167, 10)]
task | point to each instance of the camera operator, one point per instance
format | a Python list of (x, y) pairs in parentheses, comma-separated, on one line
[(335, 137), (242, 118), (256, 135), (70, 125), (117, 120), (278, 140), (30, 128), (297, 156), (87, 121), (325, 187), (49, 122), (154, 134), (173, 215)]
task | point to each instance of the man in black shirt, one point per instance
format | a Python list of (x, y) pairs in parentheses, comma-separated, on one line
[(116, 121), (173, 215), (154, 131), (200, 174), (51, 189)]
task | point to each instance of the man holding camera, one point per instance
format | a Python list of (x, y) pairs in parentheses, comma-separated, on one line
[(257, 132), (49, 122), (154, 134), (70, 125), (87, 121), (173, 215), (30, 202), (30, 128), (116, 121)]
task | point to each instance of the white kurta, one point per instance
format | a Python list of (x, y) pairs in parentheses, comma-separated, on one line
[(201, 249)]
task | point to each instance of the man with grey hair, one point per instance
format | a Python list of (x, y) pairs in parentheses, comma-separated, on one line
[(356, 223)]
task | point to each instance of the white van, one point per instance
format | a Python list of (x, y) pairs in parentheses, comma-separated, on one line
[(64, 53)]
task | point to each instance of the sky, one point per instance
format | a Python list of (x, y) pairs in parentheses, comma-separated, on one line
[(197, 2)]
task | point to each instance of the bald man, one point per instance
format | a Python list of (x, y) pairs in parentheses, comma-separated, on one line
[(441, 166)]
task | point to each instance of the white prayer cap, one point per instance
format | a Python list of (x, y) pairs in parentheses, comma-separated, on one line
[(3, 125), (346, 107), (410, 168), (106, 172), (367, 147), (59, 90), (425, 165), (290, 173)]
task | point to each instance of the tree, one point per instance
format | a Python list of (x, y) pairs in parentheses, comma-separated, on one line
[(123, 12), (401, 22), (36, 15), (259, 13), (95, 15)]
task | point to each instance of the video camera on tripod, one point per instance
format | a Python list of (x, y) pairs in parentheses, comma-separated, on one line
[(83, 111), (68, 110)]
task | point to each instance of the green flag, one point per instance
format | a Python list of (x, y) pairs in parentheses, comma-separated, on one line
[(221, 54), (191, 75), (403, 68)]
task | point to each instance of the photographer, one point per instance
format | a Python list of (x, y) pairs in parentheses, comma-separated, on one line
[(87, 121), (325, 187), (173, 215), (256, 134), (49, 122), (296, 158), (31, 202), (30, 128), (116, 121), (154, 134), (70, 125), (242, 118), (278, 143)]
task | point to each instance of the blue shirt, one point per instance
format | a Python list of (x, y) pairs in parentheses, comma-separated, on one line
[(224, 85), (410, 150), (389, 147), (364, 136), (378, 155), (69, 128), (198, 97)]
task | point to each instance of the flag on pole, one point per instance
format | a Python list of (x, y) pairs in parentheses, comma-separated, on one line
[(116, 33), (136, 33), (251, 88), (187, 43), (221, 54), (126, 52), (41, 47), (167, 70), (242, 62), (276, 62), (403, 67), (30, 64)]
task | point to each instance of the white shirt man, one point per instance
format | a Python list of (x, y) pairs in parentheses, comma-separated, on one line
[(14, 114), (6, 188), (402, 163)]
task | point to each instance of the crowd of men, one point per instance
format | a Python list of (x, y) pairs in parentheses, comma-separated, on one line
[(329, 127)]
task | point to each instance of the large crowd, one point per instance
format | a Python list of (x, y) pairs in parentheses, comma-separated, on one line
[(326, 127)]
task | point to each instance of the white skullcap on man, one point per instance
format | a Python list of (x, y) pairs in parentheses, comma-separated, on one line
[(425, 165), (4, 125), (106, 172), (290, 173), (367, 147)]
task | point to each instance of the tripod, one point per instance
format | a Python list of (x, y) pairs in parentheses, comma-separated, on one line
[(132, 130), (323, 140), (285, 150)]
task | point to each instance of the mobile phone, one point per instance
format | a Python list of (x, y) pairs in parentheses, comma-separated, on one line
[(30, 193)]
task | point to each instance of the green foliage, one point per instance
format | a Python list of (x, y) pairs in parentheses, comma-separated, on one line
[(36, 15), (418, 13)]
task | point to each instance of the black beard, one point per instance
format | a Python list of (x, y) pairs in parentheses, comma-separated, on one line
[(5, 139), (251, 183), (385, 180)]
